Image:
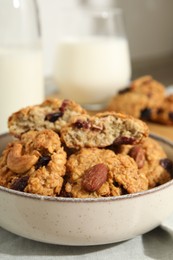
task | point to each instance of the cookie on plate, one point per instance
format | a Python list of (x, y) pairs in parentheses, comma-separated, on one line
[(102, 130), (51, 114), (94, 172), (143, 93), (151, 160), (34, 164)]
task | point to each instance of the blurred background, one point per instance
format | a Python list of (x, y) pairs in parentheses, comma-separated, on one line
[(148, 27)]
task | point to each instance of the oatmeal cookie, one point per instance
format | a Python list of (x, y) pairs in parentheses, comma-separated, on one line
[(143, 94), (95, 172), (102, 130), (51, 114), (164, 113), (34, 164), (151, 160)]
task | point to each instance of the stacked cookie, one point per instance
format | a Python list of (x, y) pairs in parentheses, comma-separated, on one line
[(146, 99), (60, 150)]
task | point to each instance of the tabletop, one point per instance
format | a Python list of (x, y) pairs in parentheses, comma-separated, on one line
[(156, 244), (164, 131)]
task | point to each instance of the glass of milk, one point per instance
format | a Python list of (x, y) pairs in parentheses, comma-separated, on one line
[(21, 72), (92, 60)]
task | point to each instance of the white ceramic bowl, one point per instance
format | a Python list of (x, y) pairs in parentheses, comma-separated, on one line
[(69, 221)]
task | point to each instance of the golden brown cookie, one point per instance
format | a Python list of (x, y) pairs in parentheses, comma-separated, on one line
[(34, 164), (102, 130), (51, 114), (164, 113), (151, 160), (143, 94), (94, 172)]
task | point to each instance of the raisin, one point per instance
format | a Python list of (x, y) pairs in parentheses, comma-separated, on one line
[(124, 140), (20, 183), (82, 124), (146, 114), (171, 115), (116, 184), (64, 105), (125, 90), (42, 161), (52, 117), (160, 111), (167, 164)]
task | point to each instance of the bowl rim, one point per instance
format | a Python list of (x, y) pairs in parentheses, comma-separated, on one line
[(94, 200)]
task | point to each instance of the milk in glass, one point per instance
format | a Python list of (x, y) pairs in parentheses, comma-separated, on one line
[(21, 80), (90, 70)]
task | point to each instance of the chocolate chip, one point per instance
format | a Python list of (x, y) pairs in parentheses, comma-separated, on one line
[(42, 161), (124, 140), (167, 164), (82, 124), (146, 114), (52, 117), (171, 115), (20, 183), (125, 90)]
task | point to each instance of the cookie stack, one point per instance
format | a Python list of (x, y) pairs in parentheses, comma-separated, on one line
[(60, 150), (146, 99)]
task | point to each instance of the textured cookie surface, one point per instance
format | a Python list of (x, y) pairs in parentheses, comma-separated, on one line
[(103, 130), (164, 113), (143, 93), (51, 114), (34, 164), (116, 174), (151, 160)]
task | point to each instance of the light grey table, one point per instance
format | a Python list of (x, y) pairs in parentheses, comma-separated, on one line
[(156, 244)]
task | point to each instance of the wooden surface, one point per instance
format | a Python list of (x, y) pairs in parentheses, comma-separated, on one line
[(164, 131)]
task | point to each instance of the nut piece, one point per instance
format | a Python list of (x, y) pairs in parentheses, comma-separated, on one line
[(19, 163), (94, 177), (138, 154)]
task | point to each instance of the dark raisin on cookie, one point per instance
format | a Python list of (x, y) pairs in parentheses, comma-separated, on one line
[(124, 140), (146, 114), (123, 91), (160, 111), (42, 161), (167, 164), (82, 124), (53, 117), (20, 183), (171, 116), (64, 105)]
